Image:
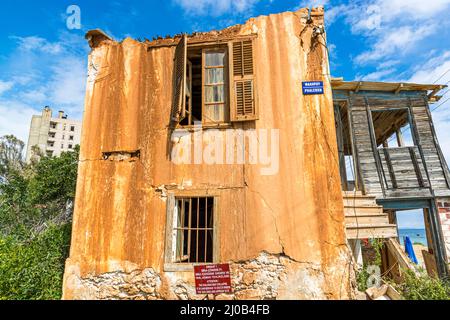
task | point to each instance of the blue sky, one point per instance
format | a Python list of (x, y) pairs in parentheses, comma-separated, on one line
[(42, 62)]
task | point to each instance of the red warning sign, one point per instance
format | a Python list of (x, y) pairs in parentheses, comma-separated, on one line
[(212, 279)]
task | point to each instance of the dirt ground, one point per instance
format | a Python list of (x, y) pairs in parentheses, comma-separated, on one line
[(418, 251)]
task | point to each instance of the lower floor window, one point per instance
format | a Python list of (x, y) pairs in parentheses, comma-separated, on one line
[(193, 230)]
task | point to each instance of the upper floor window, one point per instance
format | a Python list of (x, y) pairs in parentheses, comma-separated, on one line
[(214, 84), (72, 128)]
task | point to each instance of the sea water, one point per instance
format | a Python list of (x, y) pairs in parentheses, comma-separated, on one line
[(416, 236)]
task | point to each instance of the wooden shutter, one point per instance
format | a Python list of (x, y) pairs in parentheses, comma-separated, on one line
[(179, 100), (242, 82)]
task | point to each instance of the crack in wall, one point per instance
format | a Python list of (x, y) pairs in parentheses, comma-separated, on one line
[(273, 218)]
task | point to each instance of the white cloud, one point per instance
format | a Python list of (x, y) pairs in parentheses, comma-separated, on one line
[(435, 70), (67, 86), (36, 97), (395, 41), (378, 75), (34, 43), (5, 86), (313, 3), (332, 13), (412, 9), (15, 118), (438, 67), (392, 27), (216, 7), (62, 64), (42, 72)]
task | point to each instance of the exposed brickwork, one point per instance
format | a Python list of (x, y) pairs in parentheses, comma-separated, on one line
[(136, 285), (444, 215), (268, 276)]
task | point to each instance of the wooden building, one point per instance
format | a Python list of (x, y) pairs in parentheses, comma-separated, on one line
[(385, 135)]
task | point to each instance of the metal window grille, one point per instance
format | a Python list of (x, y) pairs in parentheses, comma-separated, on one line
[(194, 230)]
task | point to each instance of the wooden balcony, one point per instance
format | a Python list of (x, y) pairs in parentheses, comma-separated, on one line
[(364, 218)]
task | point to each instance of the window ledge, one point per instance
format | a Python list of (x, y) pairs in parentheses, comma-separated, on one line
[(183, 267), (206, 127)]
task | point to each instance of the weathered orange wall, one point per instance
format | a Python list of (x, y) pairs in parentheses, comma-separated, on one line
[(120, 216)]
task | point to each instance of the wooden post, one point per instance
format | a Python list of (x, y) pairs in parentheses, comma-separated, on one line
[(340, 143), (359, 183), (400, 141), (381, 176)]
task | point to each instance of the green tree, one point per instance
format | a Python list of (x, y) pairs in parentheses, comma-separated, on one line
[(54, 178), (33, 270), (36, 203), (11, 150)]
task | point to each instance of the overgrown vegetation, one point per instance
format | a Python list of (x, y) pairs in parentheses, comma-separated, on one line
[(33, 269), (36, 203), (362, 277), (422, 287)]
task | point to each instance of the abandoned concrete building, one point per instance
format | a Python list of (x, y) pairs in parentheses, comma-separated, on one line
[(147, 211), (52, 135)]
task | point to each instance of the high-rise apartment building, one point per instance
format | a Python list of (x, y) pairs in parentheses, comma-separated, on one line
[(53, 135)]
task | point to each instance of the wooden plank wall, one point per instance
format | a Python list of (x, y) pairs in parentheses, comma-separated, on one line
[(363, 145), (405, 165), (399, 170), (437, 168)]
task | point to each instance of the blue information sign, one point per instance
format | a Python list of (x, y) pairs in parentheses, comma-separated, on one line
[(312, 87)]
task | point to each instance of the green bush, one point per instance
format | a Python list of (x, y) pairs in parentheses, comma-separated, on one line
[(54, 179), (36, 200), (423, 287), (33, 269), (361, 279)]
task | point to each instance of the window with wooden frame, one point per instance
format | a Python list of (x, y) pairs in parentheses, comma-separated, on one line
[(214, 84), (191, 231)]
